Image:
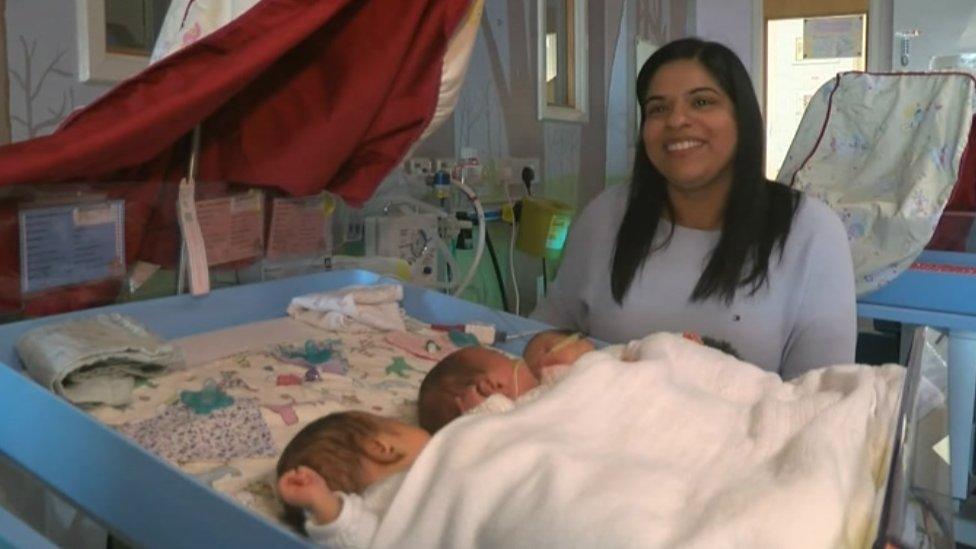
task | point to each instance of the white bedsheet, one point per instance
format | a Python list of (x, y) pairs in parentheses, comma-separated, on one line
[(686, 447)]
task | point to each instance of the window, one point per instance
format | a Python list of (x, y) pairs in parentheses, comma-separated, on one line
[(116, 37), (562, 60)]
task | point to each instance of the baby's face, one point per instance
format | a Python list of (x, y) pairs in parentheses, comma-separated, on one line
[(499, 374), (553, 348)]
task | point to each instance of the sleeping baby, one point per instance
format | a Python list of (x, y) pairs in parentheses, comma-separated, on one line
[(485, 380), (477, 379), (338, 475)]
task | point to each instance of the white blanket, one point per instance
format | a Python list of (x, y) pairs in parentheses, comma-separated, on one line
[(375, 307), (685, 447)]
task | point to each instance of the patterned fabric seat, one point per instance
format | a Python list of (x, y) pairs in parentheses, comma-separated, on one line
[(884, 151)]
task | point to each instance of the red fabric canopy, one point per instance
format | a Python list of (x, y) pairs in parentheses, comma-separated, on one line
[(300, 95)]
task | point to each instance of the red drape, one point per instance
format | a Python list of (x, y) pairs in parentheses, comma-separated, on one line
[(300, 95)]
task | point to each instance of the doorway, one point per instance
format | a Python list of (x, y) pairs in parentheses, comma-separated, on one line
[(806, 45)]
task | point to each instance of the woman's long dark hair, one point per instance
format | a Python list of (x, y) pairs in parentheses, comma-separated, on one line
[(757, 215)]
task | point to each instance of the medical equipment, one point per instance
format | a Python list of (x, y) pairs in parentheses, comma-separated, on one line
[(416, 231), (411, 237), (118, 483), (487, 334), (543, 227)]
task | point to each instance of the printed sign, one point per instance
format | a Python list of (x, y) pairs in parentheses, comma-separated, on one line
[(232, 226), (299, 228), (831, 37), (71, 244)]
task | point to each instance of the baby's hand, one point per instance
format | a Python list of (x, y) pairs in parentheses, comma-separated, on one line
[(303, 487)]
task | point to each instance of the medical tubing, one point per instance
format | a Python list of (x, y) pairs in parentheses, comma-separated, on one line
[(511, 267), (511, 249), (434, 244), (480, 247), (419, 204), (497, 269), (449, 257)]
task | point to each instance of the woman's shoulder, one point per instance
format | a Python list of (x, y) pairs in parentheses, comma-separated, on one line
[(814, 215), (609, 204), (816, 224)]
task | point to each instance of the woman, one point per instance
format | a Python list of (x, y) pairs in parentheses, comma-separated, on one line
[(700, 240)]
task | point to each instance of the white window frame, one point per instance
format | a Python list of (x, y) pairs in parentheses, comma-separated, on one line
[(95, 63), (579, 113)]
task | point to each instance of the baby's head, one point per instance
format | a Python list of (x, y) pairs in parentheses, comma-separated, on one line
[(464, 379), (555, 347), (351, 451)]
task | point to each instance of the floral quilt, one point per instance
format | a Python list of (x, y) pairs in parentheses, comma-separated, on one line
[(226, 417)]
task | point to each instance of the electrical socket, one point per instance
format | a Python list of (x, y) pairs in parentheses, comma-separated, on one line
[(516, 165), (445, 164), (419, 166)]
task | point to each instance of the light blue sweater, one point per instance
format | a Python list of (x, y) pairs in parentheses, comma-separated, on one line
[(803, 318)]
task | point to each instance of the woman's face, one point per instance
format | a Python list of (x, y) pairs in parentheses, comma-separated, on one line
[(690, 131)]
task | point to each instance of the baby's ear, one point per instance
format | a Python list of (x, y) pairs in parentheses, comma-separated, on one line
[(380, 449)]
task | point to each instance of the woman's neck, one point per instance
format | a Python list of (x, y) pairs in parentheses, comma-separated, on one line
[(702, 209)]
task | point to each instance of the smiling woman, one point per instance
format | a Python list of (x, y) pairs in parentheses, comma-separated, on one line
[(690, 136), (705, 242)]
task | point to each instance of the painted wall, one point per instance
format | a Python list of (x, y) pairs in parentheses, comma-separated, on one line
[(42, 57), (729, 22), (945, 27), (496, 112)]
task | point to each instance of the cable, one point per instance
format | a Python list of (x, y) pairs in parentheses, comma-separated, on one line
[(545, 278), (511, 266), (528, 175), (497, 269), (482, 229), (511, 250)]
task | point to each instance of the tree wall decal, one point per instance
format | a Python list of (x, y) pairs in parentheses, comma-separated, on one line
[(31, 82)]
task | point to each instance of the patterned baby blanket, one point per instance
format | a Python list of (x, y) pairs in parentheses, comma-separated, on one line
[(248, 390)]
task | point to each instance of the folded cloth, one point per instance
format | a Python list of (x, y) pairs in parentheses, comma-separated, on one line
[(376, 307), (95, 360)]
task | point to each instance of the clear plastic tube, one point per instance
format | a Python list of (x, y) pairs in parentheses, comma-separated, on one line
[(480, 246)]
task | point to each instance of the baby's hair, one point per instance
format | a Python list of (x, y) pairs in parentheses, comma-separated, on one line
[(721, 345), (332, 447), (436, 404)]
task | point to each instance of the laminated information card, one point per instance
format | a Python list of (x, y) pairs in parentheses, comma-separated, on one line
[(299, 227), (71, 244), (233, 227)]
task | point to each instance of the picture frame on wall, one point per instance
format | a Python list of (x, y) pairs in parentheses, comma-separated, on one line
[(116, 37)]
